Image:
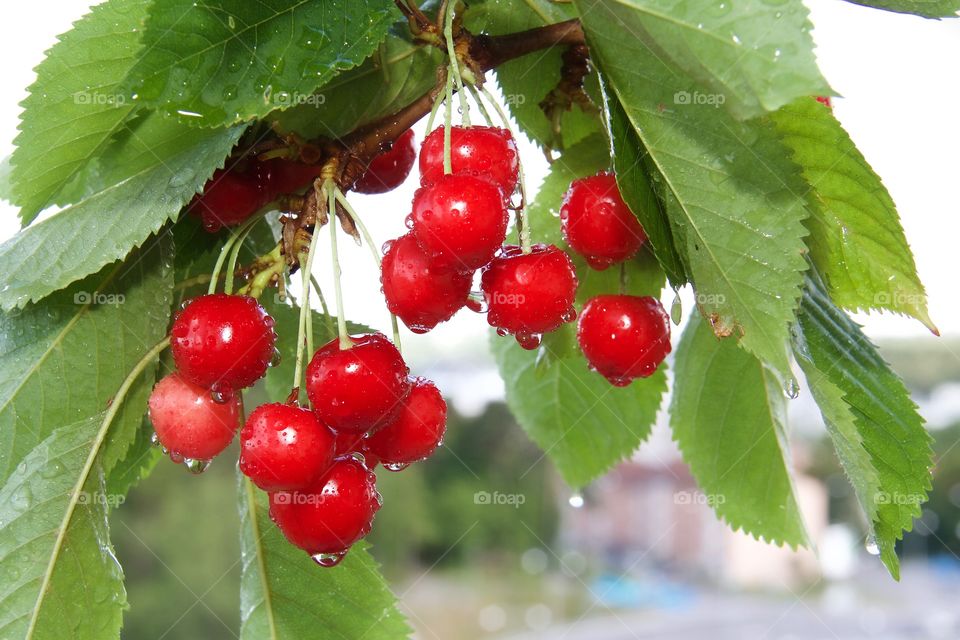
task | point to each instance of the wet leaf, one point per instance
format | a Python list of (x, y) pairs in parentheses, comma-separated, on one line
[(925, 8)]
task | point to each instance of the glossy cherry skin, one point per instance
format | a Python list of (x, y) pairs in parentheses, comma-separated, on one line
[(459, 221), (357, 389), (228, 199), (416, 431), (597, 223), (416, 291), (332, 513), (354, 444), (188, 422), (624, 337), (529, 294), (223, 342), (279, 176), (388, 170), (485, 152), (284, 447), (825, 100)]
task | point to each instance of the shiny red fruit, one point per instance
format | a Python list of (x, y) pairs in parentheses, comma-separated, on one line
[(417, 292), (228, 199), (597, 223), (351, 444), (624, 337), (529, 294), (279, 176), (825, 100), (188, 422), (388, 170), (460, 221), (284, 447), (416, 431), (331, 514), (485, 152), (223, 342), (357, 389)]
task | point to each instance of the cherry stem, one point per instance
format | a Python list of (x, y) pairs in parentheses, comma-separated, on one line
[(225, 251), (329, 189), (433, 110), (454, 63), (234, 256), (305, 325), (523, 222), (342, 199), (480, 105), (447, 122), (323, 305)]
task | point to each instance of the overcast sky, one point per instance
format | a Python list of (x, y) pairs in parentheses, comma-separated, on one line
[(901, 103)]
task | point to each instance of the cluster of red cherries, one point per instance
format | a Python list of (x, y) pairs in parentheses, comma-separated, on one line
[(316, 463), (458, 226)]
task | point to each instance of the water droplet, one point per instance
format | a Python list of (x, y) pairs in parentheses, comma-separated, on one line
[(792, 388), (569, 315), (155, 439), (676, 309), (221, 395), (528, 341), (575, 501), (395, 466), (870, 544), (329, 559), (196, 465), (277, 358)]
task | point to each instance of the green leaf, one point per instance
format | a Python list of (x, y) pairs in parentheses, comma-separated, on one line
[(582, 422), (635, 174), (526, 81), (750, 56), (729, 419), (856, 240), (76, 104), (80, 239), (878, 434), (222, 62), (731, 191), (398, 74), (60, 577), (284, 595), (62, 360), (925, 8)]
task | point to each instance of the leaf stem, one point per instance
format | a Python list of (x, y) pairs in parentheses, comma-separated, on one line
[(95, 446)]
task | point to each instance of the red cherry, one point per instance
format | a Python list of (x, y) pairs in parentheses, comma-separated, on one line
[(597, 223), (359, 388), (223, 342), (332, 513), (279, 176), (529, 294), (485, 152), (459, 221), (825, 100), (351, 444), (417, 292), (388, 170), (284, 447), (188, 422), (624, 337), (228, 199), (416, 431)]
